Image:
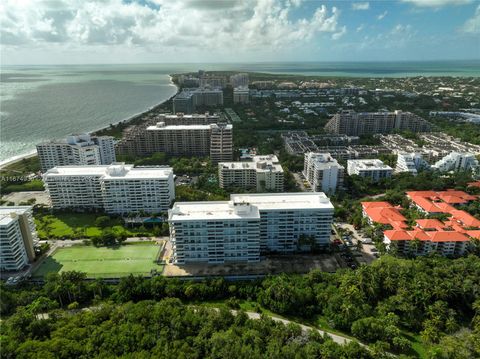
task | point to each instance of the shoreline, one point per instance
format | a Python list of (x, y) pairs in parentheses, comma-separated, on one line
[(126, 120)]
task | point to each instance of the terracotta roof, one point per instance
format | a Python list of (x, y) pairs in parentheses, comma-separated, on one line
[(397, 235), (376, 204), (474, 184), (430, 223), (465, 218), (474, 234), (447, 236), (388, 215)]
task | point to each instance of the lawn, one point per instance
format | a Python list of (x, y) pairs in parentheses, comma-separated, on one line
[(80, 225), (105, 262)]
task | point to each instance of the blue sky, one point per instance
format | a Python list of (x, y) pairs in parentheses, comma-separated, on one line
[(136, 31)]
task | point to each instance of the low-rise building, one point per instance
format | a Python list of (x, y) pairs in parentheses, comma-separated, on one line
[(457, 161), (247, 225), (80, 149), (410, 162), (323, 172), (263, 173), (17, 238), (118, 188), (375, 169)]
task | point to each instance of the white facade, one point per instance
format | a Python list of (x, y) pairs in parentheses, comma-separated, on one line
[(17, 238), (80, 149), (323, 172), (241, 95), (117, 188), (373, 169), (457, 161), (263, 173), (247, 225), (214, 232), (410, 162), (239, 80)]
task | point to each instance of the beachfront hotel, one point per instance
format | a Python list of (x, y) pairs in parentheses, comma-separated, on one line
[(81, 149), (263, 173), (188, 100), (17, 238), (240, 229), (116, 189), (368, 123)]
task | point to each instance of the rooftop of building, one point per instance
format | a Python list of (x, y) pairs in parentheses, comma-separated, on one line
[(432, 236), (368, 164), (117, 170), (296, 200), (7, 214), (214, 210), (265, 163), (384, 213), (160, 126)]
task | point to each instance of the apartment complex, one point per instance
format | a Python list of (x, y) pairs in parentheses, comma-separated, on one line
[(239, 80), (80, 149), (214, 140), (263, 173), (457, 161), (116, 189), (17, 238), (368, 123), (372, 169), (247, 225), (323, 172), (190, 99), (241, 95), (410, 162)]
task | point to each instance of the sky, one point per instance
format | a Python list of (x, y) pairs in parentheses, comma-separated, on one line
[(184, 31)]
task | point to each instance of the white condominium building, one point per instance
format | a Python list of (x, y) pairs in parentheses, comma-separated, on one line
[(263, 173), (239, 80), (118, 188), (241, 95), (80, 149), (323, 172), (214, 140), (17, 238), (368, 123), (373, 169), (457, 161), (410, 162), (214, 232), (247, 225)]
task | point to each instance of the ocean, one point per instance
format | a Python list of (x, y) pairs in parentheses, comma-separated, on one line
[(39, 103)]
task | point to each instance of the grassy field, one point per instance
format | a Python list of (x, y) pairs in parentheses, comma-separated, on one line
[(79, 225), (105, 262)]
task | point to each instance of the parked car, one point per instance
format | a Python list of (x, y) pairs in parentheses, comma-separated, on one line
[(366, 241)]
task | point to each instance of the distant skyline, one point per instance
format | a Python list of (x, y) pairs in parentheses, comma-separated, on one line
[(191, 31)]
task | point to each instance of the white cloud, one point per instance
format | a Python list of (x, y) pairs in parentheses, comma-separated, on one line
[(160, 24), (361, 28), (382, 15), (360, 6), (472, 25), (339, 34), (437, 3)]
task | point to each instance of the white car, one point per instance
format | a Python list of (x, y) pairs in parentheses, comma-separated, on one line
[(366, 241)]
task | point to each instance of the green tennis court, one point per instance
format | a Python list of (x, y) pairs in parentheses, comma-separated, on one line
[(105, 262)]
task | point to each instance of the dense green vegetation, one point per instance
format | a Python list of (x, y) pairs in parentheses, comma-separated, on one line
[(390, 304), (99, 228), (17, 177), (165, 329)]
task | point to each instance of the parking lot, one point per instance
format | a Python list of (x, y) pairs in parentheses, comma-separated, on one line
[(185, 180), (368, 252)]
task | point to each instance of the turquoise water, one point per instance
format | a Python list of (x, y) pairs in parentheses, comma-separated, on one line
[(39, 103)]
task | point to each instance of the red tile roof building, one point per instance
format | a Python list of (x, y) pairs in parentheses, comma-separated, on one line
[(448, 238)]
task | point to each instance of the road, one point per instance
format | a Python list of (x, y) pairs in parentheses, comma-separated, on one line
[(336, 338)]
